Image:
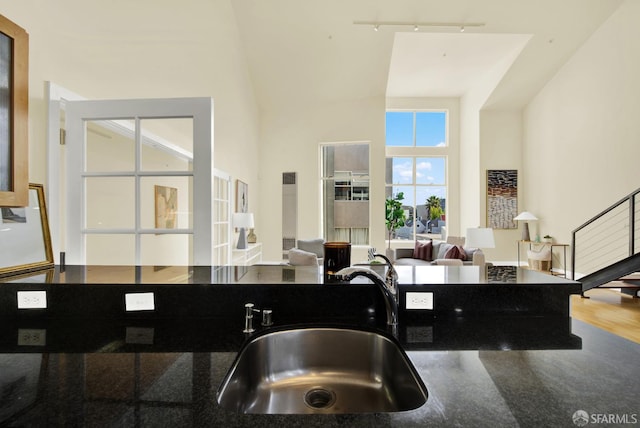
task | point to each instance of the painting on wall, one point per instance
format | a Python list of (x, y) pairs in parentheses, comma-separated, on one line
[(166, 199), (242, 197), (502, 198)]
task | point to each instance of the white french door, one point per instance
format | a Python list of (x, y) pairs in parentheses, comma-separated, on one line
[(139, 182)]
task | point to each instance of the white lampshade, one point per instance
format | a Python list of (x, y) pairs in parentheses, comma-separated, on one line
[(525, 216), (241, 220), (480, 237)]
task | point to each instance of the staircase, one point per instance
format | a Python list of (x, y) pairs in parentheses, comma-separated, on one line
[(605, 250)]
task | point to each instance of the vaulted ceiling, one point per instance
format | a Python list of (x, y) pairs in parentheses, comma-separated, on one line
[(310, 51)]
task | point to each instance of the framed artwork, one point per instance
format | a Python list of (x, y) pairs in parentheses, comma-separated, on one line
[(502, 198), (242, 197), (14, 106), (166, 201), (26, 240)]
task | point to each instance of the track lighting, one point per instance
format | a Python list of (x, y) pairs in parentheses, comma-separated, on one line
[(462, 26)]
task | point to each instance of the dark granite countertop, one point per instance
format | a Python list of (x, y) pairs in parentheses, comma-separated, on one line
[(218, 292), (281, 275), (85, 361), (467, 388)]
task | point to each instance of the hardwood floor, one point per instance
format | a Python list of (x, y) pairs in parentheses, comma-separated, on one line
[(609, 310)]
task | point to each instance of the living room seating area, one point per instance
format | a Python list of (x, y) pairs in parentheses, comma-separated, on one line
[(436, 252)]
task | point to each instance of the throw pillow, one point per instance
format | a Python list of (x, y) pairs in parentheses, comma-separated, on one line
[(456, 252), (444, 247), (302, 258), (423, 250)]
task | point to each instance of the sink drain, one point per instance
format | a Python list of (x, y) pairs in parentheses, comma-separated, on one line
[(319, 398)]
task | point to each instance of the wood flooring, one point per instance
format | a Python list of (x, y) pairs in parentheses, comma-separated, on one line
[(609, 310)]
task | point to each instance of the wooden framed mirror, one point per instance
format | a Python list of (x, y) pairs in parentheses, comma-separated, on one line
[(25, 241), (14, 106)]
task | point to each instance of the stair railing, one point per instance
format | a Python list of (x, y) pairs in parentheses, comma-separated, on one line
[(610, 236)]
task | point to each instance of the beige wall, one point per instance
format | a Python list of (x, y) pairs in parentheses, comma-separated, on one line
[(501, 148), (582, 133), (290, 143)]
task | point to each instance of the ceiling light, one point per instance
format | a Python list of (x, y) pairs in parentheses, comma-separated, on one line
[(417, 25)]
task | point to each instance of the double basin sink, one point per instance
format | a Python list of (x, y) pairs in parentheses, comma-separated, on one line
[(321, 370)]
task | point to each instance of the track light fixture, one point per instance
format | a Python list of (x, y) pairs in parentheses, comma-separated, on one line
[(417, 25)]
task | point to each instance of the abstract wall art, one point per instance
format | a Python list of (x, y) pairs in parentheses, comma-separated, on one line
[(502, 198)]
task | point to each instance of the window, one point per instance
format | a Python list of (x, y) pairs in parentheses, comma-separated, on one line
[(345, 192), (416, 129), (419, 171)]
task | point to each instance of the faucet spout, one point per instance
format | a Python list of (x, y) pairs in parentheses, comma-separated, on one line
[(389, 290)]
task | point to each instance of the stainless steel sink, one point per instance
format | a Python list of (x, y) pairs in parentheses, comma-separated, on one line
[(321, 370)]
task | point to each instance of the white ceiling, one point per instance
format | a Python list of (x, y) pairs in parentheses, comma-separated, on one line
[(449, 64), (310, 51)]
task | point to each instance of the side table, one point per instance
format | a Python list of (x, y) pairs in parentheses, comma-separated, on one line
[(552, 246)]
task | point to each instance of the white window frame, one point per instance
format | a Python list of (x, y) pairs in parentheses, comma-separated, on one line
[(417, 152)]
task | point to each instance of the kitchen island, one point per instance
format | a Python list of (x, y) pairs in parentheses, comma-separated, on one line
[(84, 360)]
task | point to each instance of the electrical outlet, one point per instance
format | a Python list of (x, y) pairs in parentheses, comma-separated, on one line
[(32, 337), (419, 300), (139, 302), (32, 299)]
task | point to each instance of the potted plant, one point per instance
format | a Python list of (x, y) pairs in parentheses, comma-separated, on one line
[(394, 216)]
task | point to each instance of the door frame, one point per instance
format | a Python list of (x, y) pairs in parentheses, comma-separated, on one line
[(200, 109)]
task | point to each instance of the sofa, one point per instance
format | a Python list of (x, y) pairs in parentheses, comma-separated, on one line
[(308, 252), (436, 252)]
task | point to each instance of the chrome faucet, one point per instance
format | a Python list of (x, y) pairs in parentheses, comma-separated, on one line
[(388, 287), (249, 309)]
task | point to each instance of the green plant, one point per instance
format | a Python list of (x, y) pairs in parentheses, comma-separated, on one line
[(434, 207), (394, 214)]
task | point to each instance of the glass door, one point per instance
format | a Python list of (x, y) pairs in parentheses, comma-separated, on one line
[(139, 182)]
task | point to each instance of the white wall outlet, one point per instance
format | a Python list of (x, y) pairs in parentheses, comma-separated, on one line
[(419, 300), (139, 302), (32, 299), (32, 337)]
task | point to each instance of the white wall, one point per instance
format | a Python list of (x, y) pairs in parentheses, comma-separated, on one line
[(582, 133), (290, 141), (472, 144), (501, 148), (99, 52)]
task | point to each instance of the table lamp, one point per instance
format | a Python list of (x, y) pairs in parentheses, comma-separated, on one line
[(525, 216), (479, 237), (243, 221)]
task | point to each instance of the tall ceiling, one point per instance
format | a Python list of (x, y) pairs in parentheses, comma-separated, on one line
[(310, 51)]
